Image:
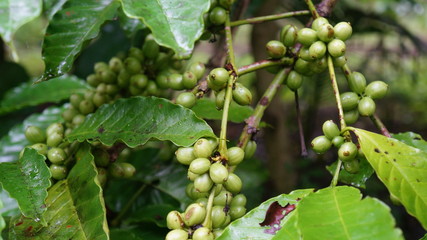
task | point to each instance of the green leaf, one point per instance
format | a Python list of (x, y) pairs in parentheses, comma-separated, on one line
[(358, 179), (2, 222), (71, 27), (136, 120), (15, 141), (424, 238), (205, 108), (54, 91), (412, 139), (174, 24), (339, 213), (10, 207), (51, 7), (15, 13), (125, 234), (27, 181), (75, 207), (401, 168), (248, 227), (130, 25), (155, 213)]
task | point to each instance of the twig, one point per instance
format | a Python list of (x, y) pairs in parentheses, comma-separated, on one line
[(304, 152), (268, 18)]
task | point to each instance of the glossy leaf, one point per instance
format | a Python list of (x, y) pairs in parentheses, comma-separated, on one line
[(248, 227), (10, 205), (15, 13), (340, 213), (75, 207), (51, 7), (206, 109), (174, 24), (27, 181), (136, 120), (412, 139), (71, 27), (15, 141), (54, 91), (401, 168), (357, 179), (130, 25)]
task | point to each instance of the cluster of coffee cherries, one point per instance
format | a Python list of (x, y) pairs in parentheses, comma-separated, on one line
[(360, 100), (209, 174), (348, 152), (216, 17), (50, 144), (217, 81), (319, 41)]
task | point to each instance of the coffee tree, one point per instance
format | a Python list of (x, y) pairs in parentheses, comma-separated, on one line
[(130, 153)]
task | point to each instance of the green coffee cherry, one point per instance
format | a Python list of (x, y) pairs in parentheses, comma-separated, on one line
[(235, 156), (192, 176), (35, 135), (317, 50), (303, 67), (69, 113), (337, 141), (250, 149), (223, 198), (289, 35), (217, 16), (102, 158), (233, 183), (93, 80), (330, 129), (366, 107), (203, 183), (227, 221), (275, 49), (241, 94), (219, 216), (220, 99), (194, 214), (175, 81), (347, 151), (339, 61), (78, 119), (185, 155), (376, 89), (202, 201), (132, 65), (112, 89), (86, 107), (116, 64), (75, 100), (177, 234), (304, 54), (218, 173), (192, 193), (58, 172), (219, 77), (54, 139), (108, 76), (349, 101), (121, 170), (100, 66), (237, 212), (41, 148), (336, 48), (186, 99), (307, 36), (343, 31), (352, 166), (321, 144), (189, 80), (325, 32), (294, 80), (139, 81), (198, 68), (150, 48), (350, 117), (152, 89), (56, 155), (319, 65), (162, 80), (318, 22), (200, 165), (218, 232), (238, 200), (102, 176), (203, 233), (203, 148), (174, 220), (100, 99), (123, 78), (357, 82)]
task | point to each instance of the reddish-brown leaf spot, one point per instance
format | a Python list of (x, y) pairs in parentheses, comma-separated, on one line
[(274, 215), (101, 130), (68, 226), (19, 223)]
